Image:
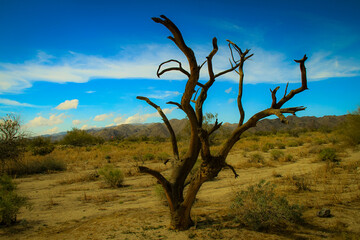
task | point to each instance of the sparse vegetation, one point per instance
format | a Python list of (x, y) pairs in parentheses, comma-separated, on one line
[(79, 138), (350, 129), (328, 154), (256, 158), (41, 146), (260, 208), (276, 154), (46, 164), (113, 177), (12, 145), (10, 201)]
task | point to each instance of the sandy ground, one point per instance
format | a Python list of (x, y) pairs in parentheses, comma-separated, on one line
[(63, 207)]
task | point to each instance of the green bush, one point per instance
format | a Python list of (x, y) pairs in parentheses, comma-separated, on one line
[(10, 202), (328, 154), (256, 158), (113, 177), (267, 147), (41, 146), (149, 156), (350, 129), (77, 137), (276, 154), (259, 208), (12, 140)]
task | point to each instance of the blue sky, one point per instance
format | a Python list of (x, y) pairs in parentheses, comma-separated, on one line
[(81, 64)]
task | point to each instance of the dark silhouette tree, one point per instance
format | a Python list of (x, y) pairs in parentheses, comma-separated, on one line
[(181, 199)]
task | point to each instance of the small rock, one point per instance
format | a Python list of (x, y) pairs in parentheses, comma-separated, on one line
[(324, 213)]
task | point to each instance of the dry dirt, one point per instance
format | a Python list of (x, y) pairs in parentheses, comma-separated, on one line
[(65, 207)]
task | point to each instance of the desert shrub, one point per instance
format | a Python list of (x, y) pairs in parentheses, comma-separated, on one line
[(276, 154), (300, 182), (288, 158), (259, 208), (328, 154), (267, 147), (44, 165), (280, 145), (41, 146), (112, 176), (350, 129), (295, 143), (10, 202), (77, 137), (256, 158), (163, 156), (149, 156), (12, 141)]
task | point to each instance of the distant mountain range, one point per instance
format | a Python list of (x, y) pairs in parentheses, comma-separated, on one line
[(126, 131)]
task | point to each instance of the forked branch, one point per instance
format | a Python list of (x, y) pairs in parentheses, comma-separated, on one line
[(292, 93)]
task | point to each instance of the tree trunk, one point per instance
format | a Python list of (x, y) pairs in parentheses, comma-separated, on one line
[(180, 218)]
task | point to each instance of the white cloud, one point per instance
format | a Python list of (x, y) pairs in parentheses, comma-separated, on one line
[(164, 94), (68, 104), (228, 90), (85, 127), (118, 120), (51, 131), (90, 92), (76, 122), (137, 118), (41, 121), (134, 62), (102, 117), (323, 65), (141, 61), (231, 100), (9, 102)]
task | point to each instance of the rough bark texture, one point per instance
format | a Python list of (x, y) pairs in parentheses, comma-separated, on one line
[(180, 202)]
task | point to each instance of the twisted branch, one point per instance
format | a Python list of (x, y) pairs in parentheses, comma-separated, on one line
[(180, 68)]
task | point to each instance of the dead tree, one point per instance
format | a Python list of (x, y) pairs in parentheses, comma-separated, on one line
[(180, 201)]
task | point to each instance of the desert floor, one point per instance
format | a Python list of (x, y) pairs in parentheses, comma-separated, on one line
[(75, 204)]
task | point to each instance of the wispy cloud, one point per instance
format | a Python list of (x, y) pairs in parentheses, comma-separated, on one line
[(68, 104), (134, 62), (142, 62), (228, 90), (164, 94), (323, 65), (102, 117), (9, 102), (90, 92)]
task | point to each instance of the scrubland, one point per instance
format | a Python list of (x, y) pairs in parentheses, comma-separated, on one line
[(313, 169)]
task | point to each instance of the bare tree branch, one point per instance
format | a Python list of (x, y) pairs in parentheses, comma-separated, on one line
[(232, 169), (303, 87), (168, 125), (180, 68), (216, 126), (273, 96), (176, 104)]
